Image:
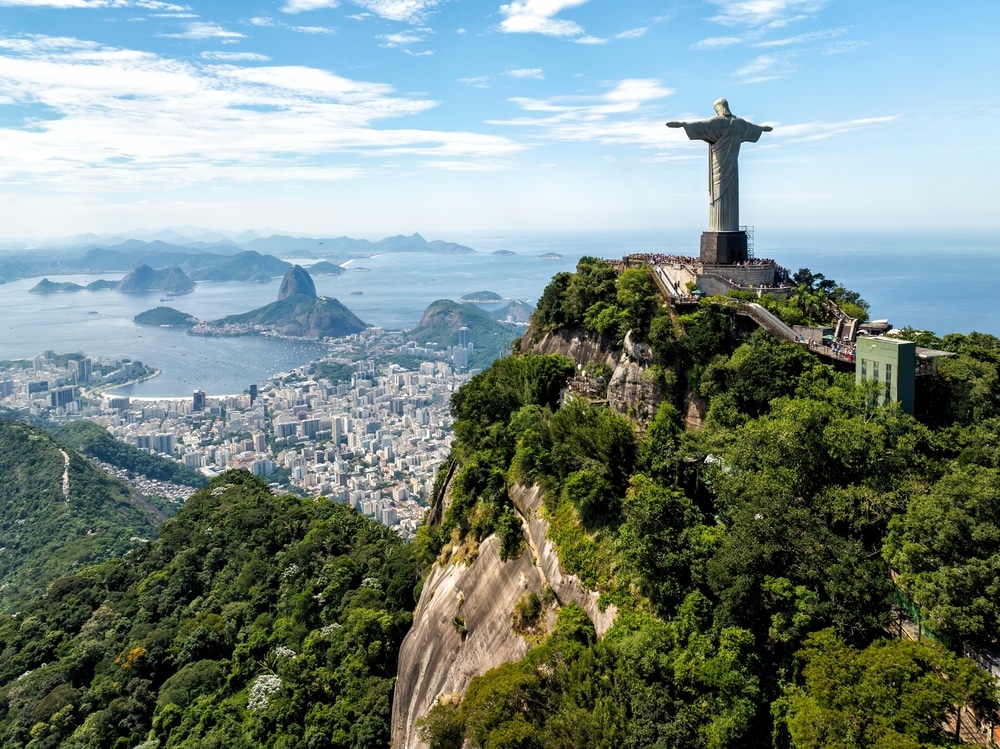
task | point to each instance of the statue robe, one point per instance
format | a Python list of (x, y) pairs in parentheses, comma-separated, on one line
[(723, 135)]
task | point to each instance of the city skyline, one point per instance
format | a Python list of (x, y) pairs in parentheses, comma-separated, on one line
[(374, 117)]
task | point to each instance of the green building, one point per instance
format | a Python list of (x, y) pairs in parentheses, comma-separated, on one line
[(892, 364)]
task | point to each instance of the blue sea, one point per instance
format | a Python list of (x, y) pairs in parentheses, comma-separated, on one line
[(942, 282)]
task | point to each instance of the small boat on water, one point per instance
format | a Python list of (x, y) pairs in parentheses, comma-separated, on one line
[(357, 293)]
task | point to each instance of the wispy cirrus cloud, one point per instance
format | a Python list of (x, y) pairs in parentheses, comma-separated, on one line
[(205, 30), (812, 131), (476, 82), (632, 33), (806, 38), (614, 117), (96, 4), (234, 56), (121, 118), (718, 42)]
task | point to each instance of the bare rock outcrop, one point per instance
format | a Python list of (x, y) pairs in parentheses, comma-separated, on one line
[(632, 390), (567, 588), (695, 410), (437, 660), (581, 346)]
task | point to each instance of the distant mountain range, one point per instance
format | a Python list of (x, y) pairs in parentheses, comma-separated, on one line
[(245, 257)]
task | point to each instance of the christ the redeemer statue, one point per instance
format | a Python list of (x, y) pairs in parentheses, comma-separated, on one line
[(723, 133)]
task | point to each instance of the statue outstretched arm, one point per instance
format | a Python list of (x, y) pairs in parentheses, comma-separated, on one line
[(674, 123)]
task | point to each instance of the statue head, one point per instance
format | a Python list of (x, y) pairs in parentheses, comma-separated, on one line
[(722, 108)]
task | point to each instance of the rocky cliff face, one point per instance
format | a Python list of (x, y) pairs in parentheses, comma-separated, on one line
[(581, 346), (296, 281), (436, 660)]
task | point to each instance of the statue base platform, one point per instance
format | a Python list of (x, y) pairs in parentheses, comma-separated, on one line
[(723, 247)]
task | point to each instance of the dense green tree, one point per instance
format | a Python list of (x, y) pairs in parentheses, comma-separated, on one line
[(946, 548), (893, 693)]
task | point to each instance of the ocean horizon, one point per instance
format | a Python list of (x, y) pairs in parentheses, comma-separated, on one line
[(937, 281)]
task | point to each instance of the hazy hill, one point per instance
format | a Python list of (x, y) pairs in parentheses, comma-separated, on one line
[(442, 319), (313, 247), (244, 266), (58, 512), (45, 286), (518, 310), (145, 278)]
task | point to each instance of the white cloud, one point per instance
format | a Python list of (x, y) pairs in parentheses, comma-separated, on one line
[(480, 82), (775, 13), (124, 119), (590, 40), (538, 17), (300, 6), (535, 73), (400, 39), (411, 11), (262, 21), (235, 56), (205, 30), (425, 53)]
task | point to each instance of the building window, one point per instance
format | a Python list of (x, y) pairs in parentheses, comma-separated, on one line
[(864, 369), (875, 371), (888, 382)]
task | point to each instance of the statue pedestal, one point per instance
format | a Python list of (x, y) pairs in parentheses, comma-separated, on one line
[(723, 247)]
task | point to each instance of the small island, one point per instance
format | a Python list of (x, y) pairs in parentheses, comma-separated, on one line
[(166, 317), (45, 286), (482, 296), (503, 252), (325, 268), (550, 256)]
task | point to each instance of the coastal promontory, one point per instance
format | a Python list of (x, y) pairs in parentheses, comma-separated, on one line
[(297, 313)]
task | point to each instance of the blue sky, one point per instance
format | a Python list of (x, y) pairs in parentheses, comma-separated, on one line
[(374, 117)]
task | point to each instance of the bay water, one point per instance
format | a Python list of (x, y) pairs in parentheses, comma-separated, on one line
[(939, 281)]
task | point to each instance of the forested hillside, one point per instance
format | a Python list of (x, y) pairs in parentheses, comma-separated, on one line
[(58, 513), (95, 441), (255, 620), (748, 561)]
